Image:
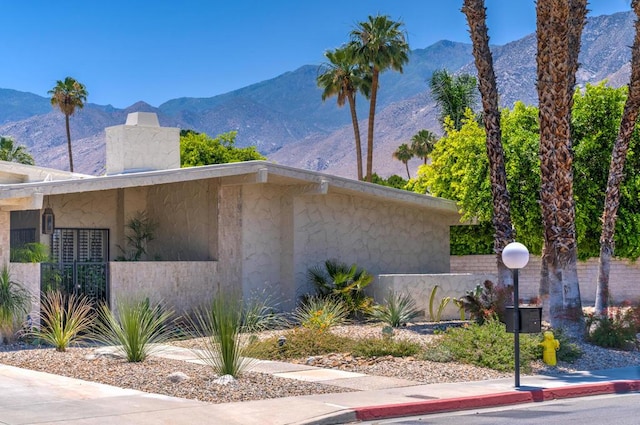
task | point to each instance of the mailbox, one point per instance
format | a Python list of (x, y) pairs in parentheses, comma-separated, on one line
[(530, 319)]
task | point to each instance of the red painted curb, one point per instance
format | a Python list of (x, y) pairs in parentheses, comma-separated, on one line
[(493, 400)]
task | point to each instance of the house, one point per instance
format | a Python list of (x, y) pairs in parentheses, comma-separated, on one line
[(253, 227)]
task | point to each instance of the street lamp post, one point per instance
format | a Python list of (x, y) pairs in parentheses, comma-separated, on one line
[(515, 256)]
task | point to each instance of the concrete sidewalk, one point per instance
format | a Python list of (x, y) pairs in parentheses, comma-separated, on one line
[(28, 397)]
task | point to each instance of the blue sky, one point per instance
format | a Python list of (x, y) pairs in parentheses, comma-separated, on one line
[(126, 51)]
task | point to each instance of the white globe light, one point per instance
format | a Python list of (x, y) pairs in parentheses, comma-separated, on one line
[(515, 255)]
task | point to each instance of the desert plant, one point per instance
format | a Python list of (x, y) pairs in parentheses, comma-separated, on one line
[(260, 314), (486, 301), (14, 304), (221, 325), (436, 317), (136, 328), (64, 319), (612, 331), (397, 309), (346, 282), (460, 305), (141, 230), (34, 252), (299, 343), (379, 347), (320, 313)]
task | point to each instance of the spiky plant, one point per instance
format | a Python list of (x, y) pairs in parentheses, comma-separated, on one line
[(397, 309), (64, 319), (321, 313), (137, 328), (14, 304)]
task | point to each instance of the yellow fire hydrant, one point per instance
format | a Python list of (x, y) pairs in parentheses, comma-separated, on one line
[(550, 346)]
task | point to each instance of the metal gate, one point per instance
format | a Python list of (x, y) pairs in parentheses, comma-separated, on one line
[(79, 263)]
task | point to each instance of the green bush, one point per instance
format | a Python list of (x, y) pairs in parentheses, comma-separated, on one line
[(299, 343), (64, 319), (397, 309), (33, 252), (569, 351), (320, 313), (136, 329), (14, 304), (489, 345), (259, 314), (378, 347), (612, 331)]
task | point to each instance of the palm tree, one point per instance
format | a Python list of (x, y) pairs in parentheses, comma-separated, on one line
[(380, 44), (422, 144), (12, 153), (453, 94), (559, 28), (343, 77), (503, 230), (68, 95), (404, 154), (616, 172)]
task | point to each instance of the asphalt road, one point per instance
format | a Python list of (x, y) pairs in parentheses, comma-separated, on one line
[(623, 409)]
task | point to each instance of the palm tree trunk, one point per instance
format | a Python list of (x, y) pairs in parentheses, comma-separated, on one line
[(372, 113), (406, 164), (356, 132), (559, 28), (503, 230), (616, 173), (66, 121)]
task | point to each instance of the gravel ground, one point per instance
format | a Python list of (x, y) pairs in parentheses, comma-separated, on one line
[(154, 375)]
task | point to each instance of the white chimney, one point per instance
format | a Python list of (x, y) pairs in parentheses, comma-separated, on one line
[(142, 145)]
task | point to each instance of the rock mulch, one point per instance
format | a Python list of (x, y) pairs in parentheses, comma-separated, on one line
[(187, 380)]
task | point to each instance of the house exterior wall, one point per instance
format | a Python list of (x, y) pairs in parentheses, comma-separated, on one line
[(230, 254), (624, 278), (5, 236), (28, 275)]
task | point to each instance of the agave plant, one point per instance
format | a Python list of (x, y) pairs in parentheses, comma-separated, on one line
[(396, 310), (14, 304), (136, 329), (64, 319)]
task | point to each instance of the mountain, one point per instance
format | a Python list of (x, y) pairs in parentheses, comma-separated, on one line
[(286, 119)]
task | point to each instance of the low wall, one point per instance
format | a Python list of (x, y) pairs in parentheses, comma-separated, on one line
[(419, 286), (624, 277), (28, 275), (181, 285)]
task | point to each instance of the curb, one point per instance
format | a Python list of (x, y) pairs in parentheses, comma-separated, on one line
[(494, 400)]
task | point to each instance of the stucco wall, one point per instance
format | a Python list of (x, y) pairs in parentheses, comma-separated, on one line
[(186, 217), (28, 274), (419, 287), (183, 285), (382, 237), (624, 276)]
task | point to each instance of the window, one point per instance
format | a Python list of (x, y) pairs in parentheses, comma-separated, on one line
[(82, 245)]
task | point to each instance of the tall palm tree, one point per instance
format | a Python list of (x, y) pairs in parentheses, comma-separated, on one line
[(68, 95), (559, 28), (422, 144), (14, 153), (453, 94), (616, 172), (404, 154), (343, 77), (380, 44), (503, 230)]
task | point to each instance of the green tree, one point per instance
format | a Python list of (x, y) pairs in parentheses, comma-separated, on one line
[(343, 77), (422, 144), (404, 154), (198, 149), (68, 95), (453, 94), (380, 44), (11, 152)]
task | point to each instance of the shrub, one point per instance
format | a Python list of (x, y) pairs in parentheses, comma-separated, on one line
[(398, 309), (64, 319), (221, 325), (486, 300), (378, 347), (489, 345), (616, 330), (569, 351), (14, 304), (136, 328), (320, 313), (345, 282), (259, 314), (33, 252), (299, 343)]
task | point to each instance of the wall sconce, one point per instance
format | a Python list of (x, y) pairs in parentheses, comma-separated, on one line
[(48, 221)]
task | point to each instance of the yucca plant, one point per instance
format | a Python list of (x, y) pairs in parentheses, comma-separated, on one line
[(260, 314), (137, 328), (221, 325), (321, 313), (397, 309), (64, 319), (14, 304)]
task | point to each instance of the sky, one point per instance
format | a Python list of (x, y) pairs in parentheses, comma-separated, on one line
[(125, 51)]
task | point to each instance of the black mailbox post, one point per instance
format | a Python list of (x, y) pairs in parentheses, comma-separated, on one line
[(530, 319)]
